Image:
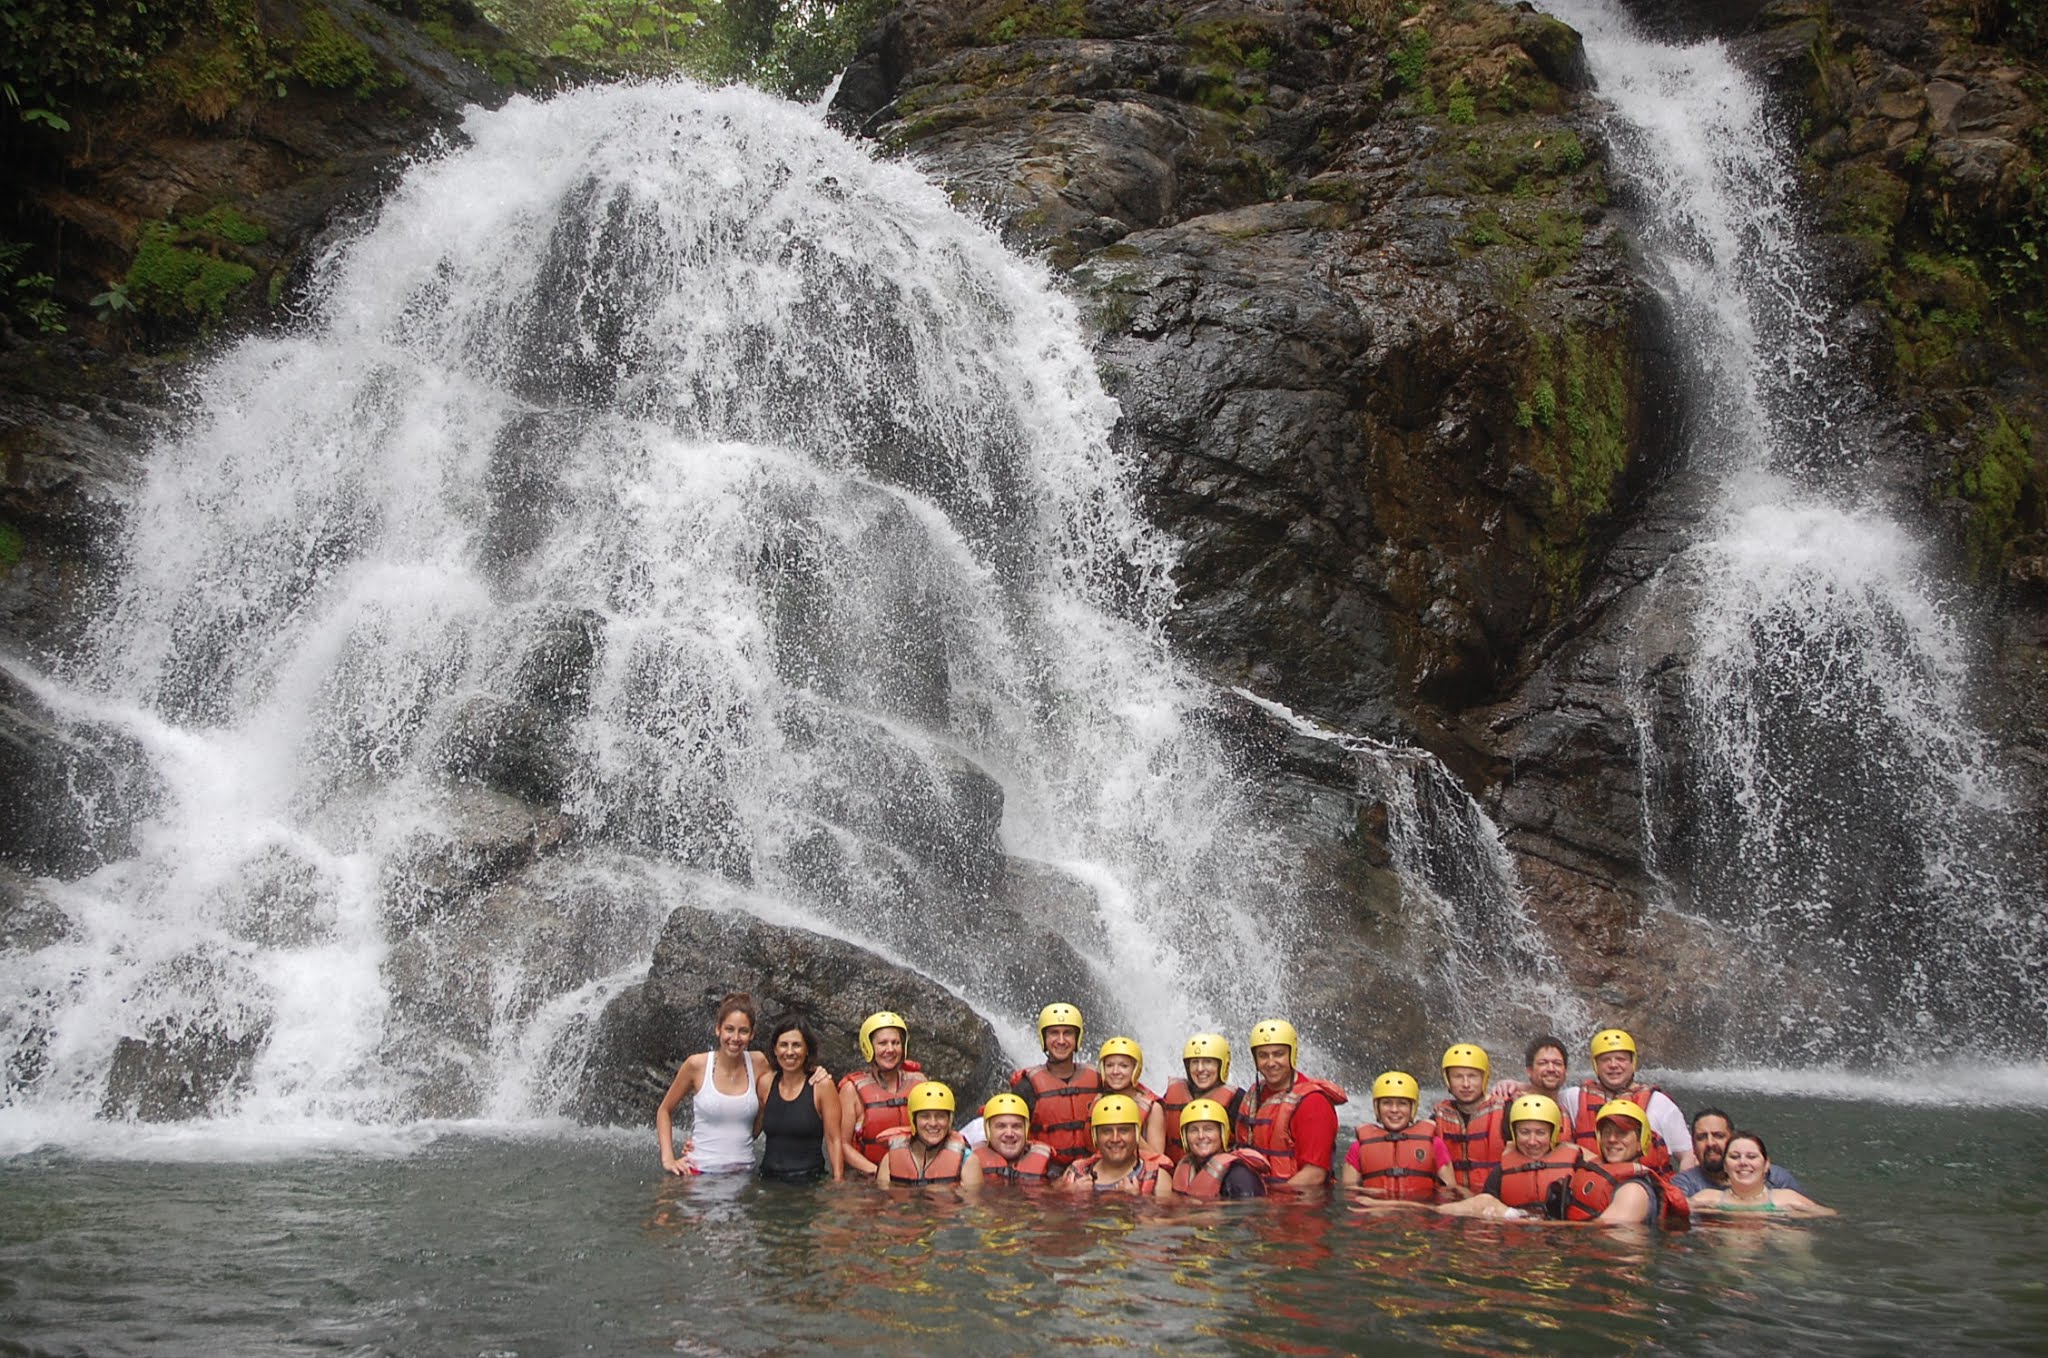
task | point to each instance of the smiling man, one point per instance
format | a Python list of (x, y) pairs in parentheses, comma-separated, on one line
[(1060, 1092), (1288, 1117)]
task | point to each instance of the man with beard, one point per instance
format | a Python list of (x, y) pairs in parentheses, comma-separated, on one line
[(1711, 1130)]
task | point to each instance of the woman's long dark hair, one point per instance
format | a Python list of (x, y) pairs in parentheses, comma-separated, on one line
[(793, 1023)]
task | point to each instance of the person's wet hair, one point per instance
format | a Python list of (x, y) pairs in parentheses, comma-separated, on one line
[(1694, 1122), (1540, 1044), (1750, 1136)]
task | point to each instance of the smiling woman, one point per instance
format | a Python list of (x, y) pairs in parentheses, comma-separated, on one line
[(724, 1089)]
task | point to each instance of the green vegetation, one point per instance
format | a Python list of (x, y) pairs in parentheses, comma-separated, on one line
[(27, 295), (1036, 19), (2000, 481), (11, 546), (178, 271), (792, 46), (330, 57)]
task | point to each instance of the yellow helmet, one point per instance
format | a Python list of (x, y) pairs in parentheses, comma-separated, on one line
[(1209, 1046), (1612, 1040), (1113, 1110), (1473, 1057), (1060, 1016), (1626, 1108), (926, 1097), (1535, 1108), (1280, 1032), (1397, 1084), (874, 1024), (1203, 1110), (1005, 1105), (1123, 1046)]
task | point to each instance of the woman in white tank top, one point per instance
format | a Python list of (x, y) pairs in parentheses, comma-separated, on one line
[(721, 1085)]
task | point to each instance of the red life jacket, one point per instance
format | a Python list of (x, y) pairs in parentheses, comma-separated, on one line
[(1593, 1186), (880, 1111), (1207, 1182), (1585, 1127), (1143, 1181), (1059, 1108), (1178, 1096), (1265, 1126), (1475, 1142), (1035, 1165), (1400, 1165), (1525, 1180), (943, 1168)]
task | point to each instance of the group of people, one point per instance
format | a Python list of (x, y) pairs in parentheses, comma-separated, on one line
[(1609, 1150)]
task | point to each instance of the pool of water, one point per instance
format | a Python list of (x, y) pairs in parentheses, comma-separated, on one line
[(496, 1244)]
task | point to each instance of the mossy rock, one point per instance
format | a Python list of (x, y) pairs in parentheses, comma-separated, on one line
[(185, 271)]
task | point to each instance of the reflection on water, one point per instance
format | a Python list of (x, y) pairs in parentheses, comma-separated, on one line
[(577, 1245)]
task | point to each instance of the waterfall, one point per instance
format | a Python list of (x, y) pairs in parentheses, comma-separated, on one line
[(1459, 880), (1824, 791), (662, 501)]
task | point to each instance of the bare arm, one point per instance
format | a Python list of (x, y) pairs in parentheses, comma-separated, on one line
[(1792, 1200), (1308, 1176), (1152, 1135), (970, 1171), (1163, 1186), (689, 1076), (761, 1083), (826, 1096)]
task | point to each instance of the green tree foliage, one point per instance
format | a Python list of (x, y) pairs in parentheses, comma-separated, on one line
[(792, 46)]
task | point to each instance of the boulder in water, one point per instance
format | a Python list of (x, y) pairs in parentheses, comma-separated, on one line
[(646, 1033)]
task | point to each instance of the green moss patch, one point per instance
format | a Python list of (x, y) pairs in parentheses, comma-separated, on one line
[(179, 271)]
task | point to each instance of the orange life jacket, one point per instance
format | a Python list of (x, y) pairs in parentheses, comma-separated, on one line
[(1059, 1108), (1525, 1180), (1475, 1142), (1178, 1096), (1586, 1126), (1034, 1165), (1400, 1165), (881, 1112), (1593, 1186), (1266, 1125), (1207, 1182), (943, 1168), (1143, 1181)]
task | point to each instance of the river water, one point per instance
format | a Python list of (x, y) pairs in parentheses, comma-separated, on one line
[(462, 1241)]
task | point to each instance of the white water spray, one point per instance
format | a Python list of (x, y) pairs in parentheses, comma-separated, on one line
[(662, 458)]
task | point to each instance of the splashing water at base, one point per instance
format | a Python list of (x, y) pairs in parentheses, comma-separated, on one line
[(1825, 790), (669, 503)]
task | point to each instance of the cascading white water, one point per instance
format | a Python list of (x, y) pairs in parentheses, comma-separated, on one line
[(1830, 794), (665, 458), (1458, 878)]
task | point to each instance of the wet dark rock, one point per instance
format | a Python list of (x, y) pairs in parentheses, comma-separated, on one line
[(647, 1032), (29, 920), (479, 839), (195, 1058), (508, 747), (70, 792)]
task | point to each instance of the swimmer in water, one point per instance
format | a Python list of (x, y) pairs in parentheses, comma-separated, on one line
[(1748, 1165)]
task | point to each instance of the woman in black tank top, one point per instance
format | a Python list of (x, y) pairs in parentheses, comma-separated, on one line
[(796, 1108)]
